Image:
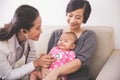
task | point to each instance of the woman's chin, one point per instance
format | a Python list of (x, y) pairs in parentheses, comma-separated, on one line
[(37, 39)]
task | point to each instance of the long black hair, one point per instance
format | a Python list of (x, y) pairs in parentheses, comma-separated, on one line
[(23, 18), (78, 4)]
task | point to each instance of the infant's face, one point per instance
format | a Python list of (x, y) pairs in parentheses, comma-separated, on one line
[(65, 42)]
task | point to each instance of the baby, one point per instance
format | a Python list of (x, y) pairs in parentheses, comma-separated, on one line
[(63, 52)]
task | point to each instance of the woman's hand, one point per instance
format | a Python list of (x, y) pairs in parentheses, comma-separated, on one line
[(44, 60)]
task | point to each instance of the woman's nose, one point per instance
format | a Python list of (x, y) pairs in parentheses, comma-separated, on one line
[(40, 31), (72, 19)]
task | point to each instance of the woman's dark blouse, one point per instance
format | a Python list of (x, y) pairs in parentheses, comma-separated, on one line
[(84, 50)]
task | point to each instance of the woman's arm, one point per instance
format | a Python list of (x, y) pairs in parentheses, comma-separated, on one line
[(70, 67), (8, 72), (65, 69)]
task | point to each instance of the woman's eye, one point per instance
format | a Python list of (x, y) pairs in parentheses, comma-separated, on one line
[(66, 41), (78, 18), (70, 15), (38, 28)]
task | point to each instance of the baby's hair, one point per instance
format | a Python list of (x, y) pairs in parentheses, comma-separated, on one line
[(72, 34)]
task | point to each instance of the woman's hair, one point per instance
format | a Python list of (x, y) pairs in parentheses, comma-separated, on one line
[(23, 18), (78, 4)]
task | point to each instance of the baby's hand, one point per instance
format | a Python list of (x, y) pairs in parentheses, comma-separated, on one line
[(45, 72)]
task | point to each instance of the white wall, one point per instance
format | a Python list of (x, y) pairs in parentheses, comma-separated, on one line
[(104, 13)]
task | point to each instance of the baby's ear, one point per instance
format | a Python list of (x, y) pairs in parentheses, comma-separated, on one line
[(73, 46)]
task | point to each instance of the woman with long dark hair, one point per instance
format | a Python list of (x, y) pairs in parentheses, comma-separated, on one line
[(16, 40)]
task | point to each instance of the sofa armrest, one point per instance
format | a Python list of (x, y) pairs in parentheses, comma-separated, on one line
[(110, 70)]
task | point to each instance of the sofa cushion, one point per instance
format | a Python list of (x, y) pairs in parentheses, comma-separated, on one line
[(104, 48), (110, 71)]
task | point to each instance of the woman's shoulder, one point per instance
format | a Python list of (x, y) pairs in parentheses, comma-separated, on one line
[(88, 33), (58, 31), (7, 45), (4, 46), (3, 43)]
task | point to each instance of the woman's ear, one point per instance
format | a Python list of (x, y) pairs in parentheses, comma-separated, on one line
[(73, 46), (23, 31)]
